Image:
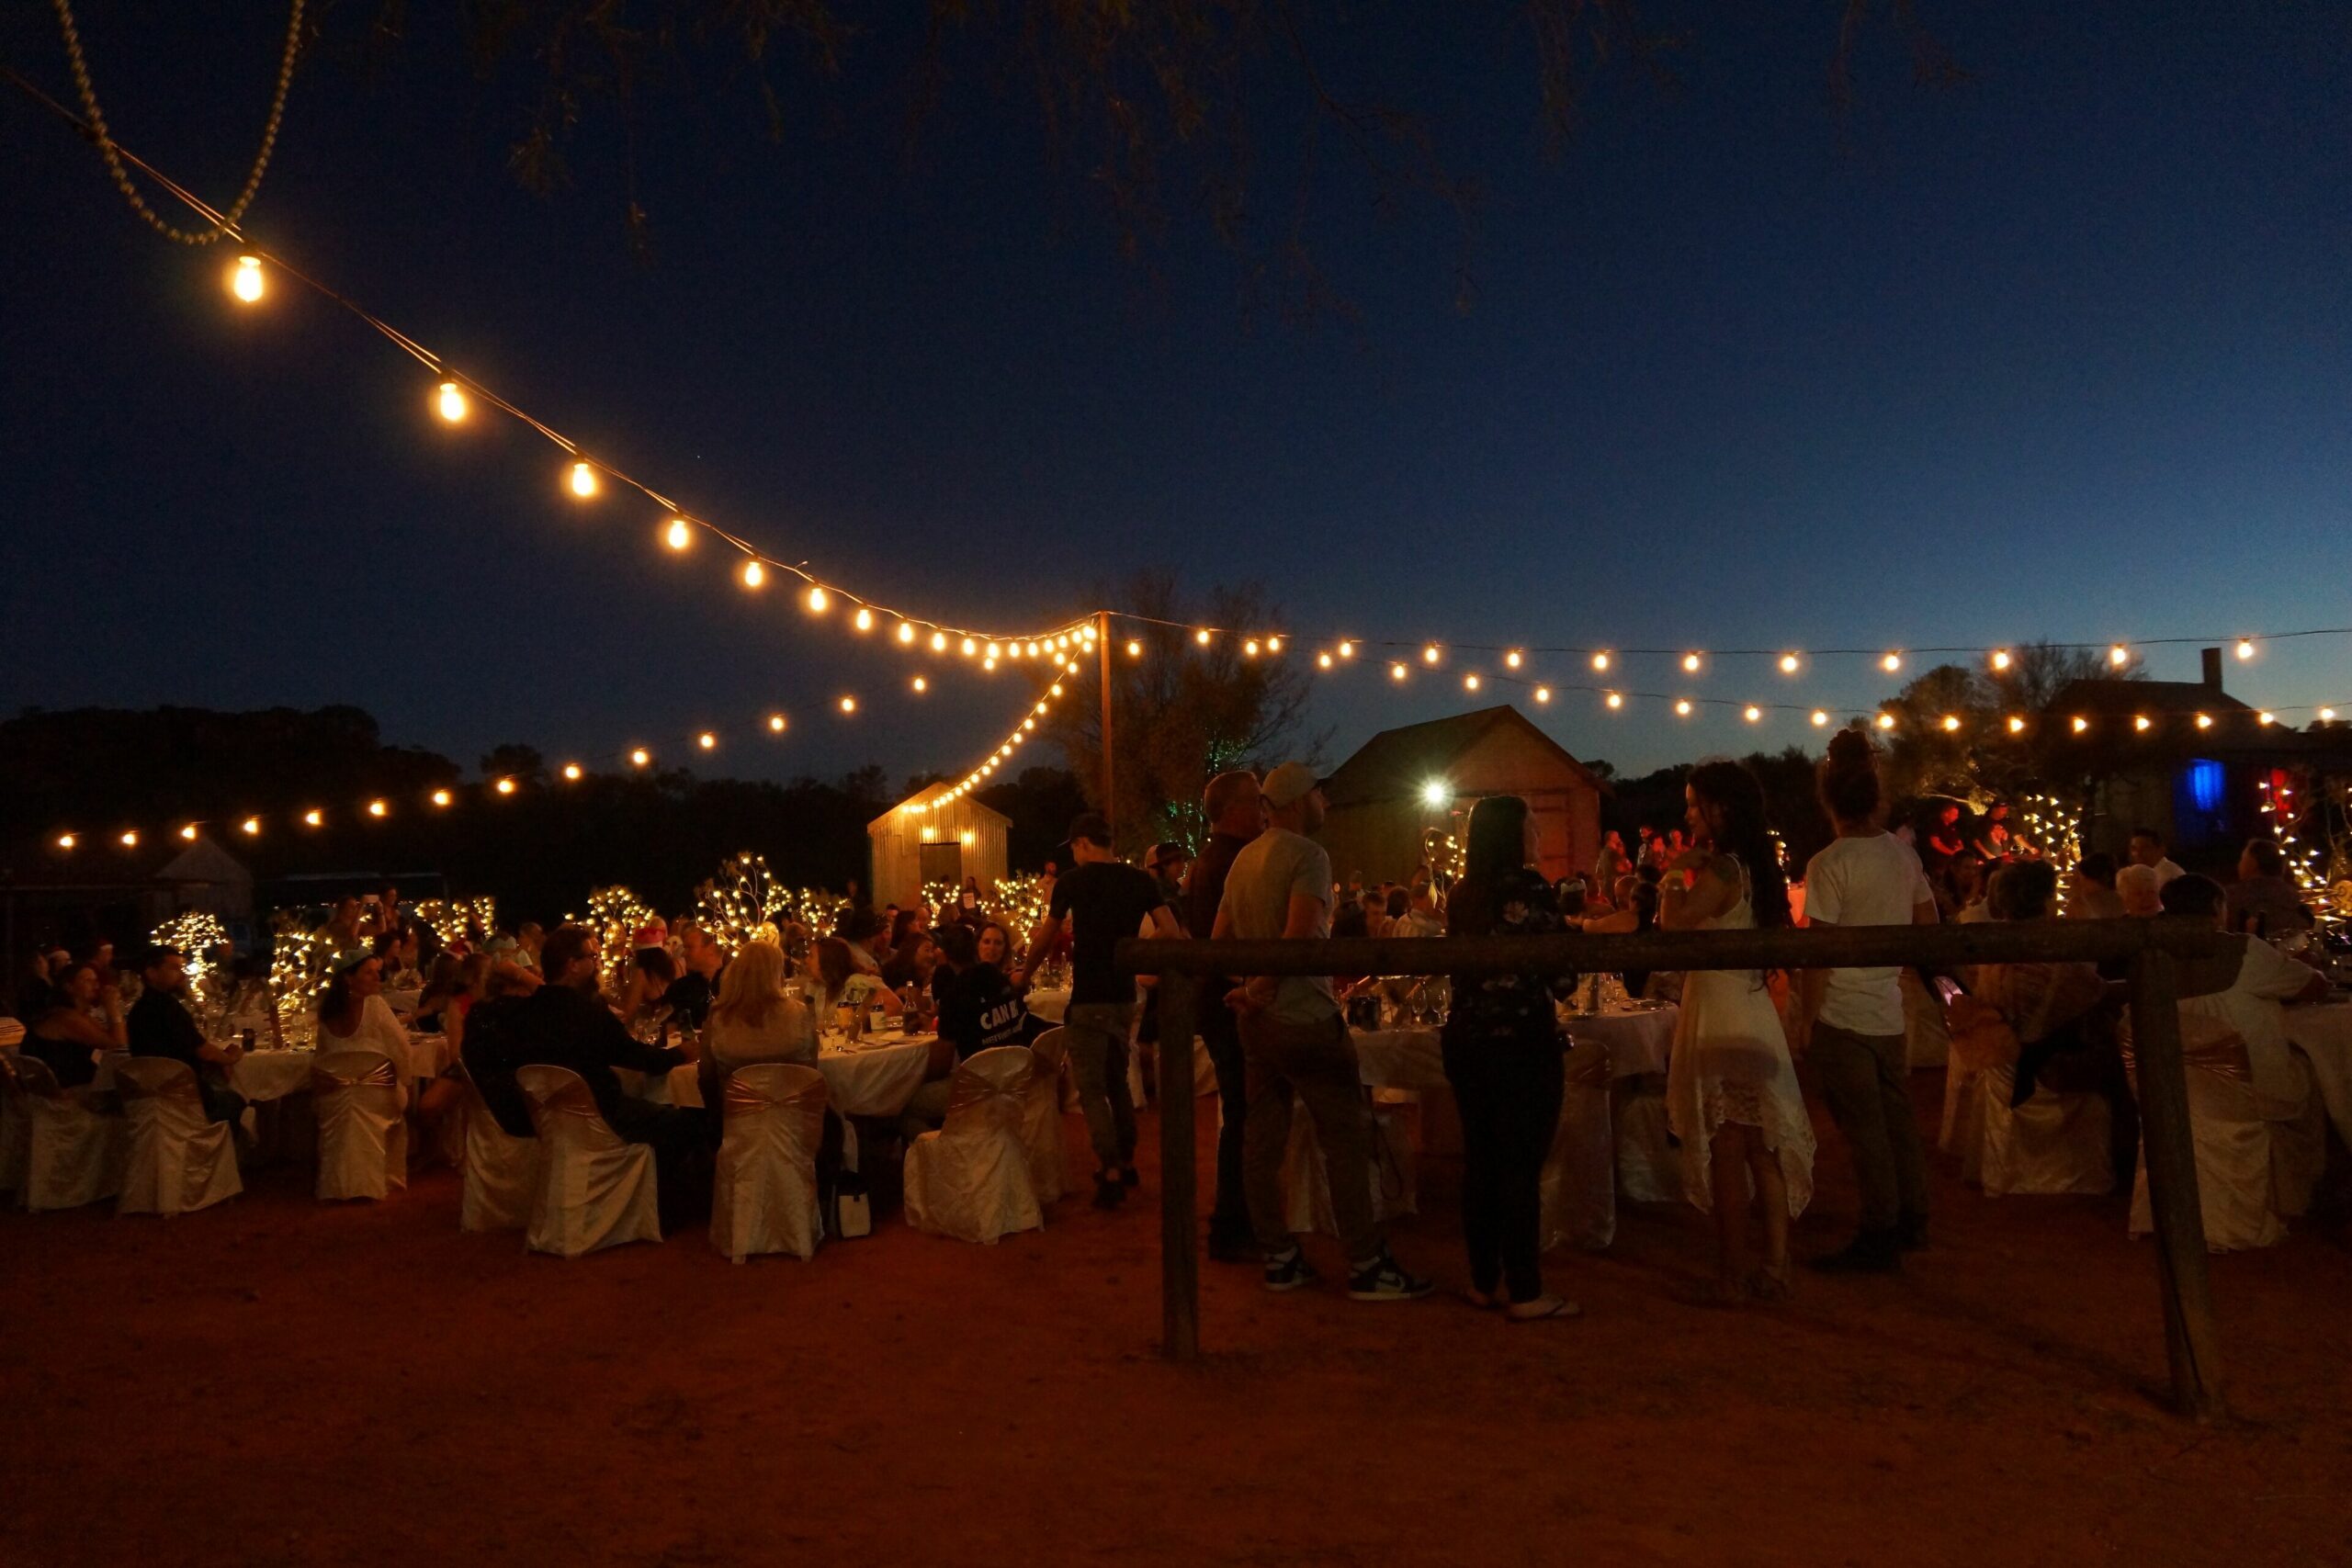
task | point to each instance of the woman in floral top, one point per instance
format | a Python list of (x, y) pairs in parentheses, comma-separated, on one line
[(1503, 1046)]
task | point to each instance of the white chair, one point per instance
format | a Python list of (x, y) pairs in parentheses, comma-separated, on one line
[(501, 1169), (1649, 1167), (1306, 1182), (363, 1124), (1580, 1189), (970, 1179), (2253, 1174), (764, 1198), (15, 1125), (1042, 1117), (178, 1160), (594, 1189), (2054, 1144), (74, 1141), (1927, 1040)]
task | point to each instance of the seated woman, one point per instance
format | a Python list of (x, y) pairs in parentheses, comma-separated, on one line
[(2063, 1015), (861, 932), (754, 1019), (652, 972), (978, 1009), (354, 1016), (62, 1031), (839, 983), (396, 950), (912, 965)]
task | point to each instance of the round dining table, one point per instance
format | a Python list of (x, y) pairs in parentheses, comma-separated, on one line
[(873, 1077)]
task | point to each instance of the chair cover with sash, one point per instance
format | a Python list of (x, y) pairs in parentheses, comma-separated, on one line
[(1306, 1184), (594, 1189), (1579, 1182), (2253, 1174), (73, 1139), (2054, 1144), (764, 1198), (363, 1126), (1042, 1117), (971, 1179), (501, 1170), (177, 1160)]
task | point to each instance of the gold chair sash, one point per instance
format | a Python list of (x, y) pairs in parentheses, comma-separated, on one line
[(353, 1069)]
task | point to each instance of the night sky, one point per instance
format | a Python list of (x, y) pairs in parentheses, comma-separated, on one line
[(2063, 352)]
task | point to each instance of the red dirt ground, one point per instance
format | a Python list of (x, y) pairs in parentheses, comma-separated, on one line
[(281, 1382)]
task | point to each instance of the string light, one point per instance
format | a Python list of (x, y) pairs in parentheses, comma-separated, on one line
[(1134, 649), (1601, 661), (1470, 682), (1886, 721), (641, 757), (1202, 637), (849, 704), (939, 642), (2081, 724), (1512, 659), (922, 685), (2264, 718), (706, 740), (1323, 662), (1951, 723), (905, 632), (2017, 724), (755, 574), (1273, 644), (1788, 664), (818, 600), (1819, 719), (131, 839), (506, 786), (2140, 721), (251, 827), (1396, 671), (677, 535), (583, 480), (2119, 655), (1615, 700), (376, 808), (2204, 721), (1754, 713), (864, 619), (1682, 707), (245, 280), (2001, 659), (2327, 715), (442, 798), (969, 647), (67, 840), (1543, 694), (571, 772), (1891, 663), (1431, 654), (1347, 649), (2246, 647), (313, 818), (451, 402), (189, 832), (776, 723)]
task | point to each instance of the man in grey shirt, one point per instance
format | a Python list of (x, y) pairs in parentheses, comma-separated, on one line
[(1293, 1041)]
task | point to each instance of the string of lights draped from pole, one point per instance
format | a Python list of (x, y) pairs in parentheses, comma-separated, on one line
[(585, 476)]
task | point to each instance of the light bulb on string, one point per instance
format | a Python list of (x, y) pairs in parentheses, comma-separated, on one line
[(504, 787), (1249, 648), (849, 704), (2001, 660), (706, 740), (1470, 682), (1347, 649), (245, 280), (1601, 661), (1202, 637), (1951, 723), (1323, 662), (1754, 713), (2246, 647), (2327, 715), (939, 642), (1514, 658), (922, 685), (2204, 721), (2017, 724), (313, 818), (1543, 694), (1891, 663), (1432, 654), (1273, 645), (583, 480), (756, 576), (776, 723), (992, 654), (1886, 721), (2119, 655), (678, 536), (967, 648), (376, 808), (442, 798), (131, 839), (1682, 707), (1690, 662), (450, 402), (906, 631), (1396, 671), (641, 757), (863, 620), (2141, 721), (2081, 724), (1820, 719), (251, 827), (818, 599), (2265, 718), (1615, 700), (571, 772), (189, 832), (66, 840)]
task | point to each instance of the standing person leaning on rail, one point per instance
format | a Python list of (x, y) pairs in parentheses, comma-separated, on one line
[(1235, 815), (1850, 1021), (1293, 1041), (1504, 1054)]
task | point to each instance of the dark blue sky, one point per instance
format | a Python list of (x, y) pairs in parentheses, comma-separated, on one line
[(2063, 352)]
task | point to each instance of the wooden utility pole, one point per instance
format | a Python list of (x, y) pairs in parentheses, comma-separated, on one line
[(1103, 643), (2192, 1339)]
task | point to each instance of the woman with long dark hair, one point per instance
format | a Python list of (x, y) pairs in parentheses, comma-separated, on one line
[(1731, 1093), (1503, 1055)]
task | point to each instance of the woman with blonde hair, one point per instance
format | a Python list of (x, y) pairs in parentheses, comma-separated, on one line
[(754, 1019)]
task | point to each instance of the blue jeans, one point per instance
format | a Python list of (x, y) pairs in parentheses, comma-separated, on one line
[(1096, 1034)]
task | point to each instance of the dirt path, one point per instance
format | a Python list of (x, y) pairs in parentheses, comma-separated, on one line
[(280, 1382)]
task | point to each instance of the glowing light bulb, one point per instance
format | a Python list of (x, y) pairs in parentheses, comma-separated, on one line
[(1512, 659), (583, 480), (1682, 707), (2017, 724), (506, 786), (376, 808), (818, 600), (1886, 721), (863, 620), (1431, 654), (1820, 719), (939, 642), (1601, 661), (1436, 793), (311, 818), (2119, 655), (969, 646), (1690, 662), (1470, 683), (2204, 721), (1396, 671), (2264, 718), (1134, 649), (906, 631), (245, 280), (66, 840), (1323, 662), (1273, 645), (706, 740), (441, 797), (678, 536), (1543, 694), (2327, 715), (189, 832), (1202, 637), (2141, 721), (1891, 663), (130, 840), (922, 684), (1754, 713), (1788, 664), (988, 663), (251, 826), (571, 772), (2001, 660), (451, 402), (2081, 724), (2246, 647), (1249, 648), (1346, 650), (1951, 723), (993, 652), (641, 757), (849, 704), (1614, 699)]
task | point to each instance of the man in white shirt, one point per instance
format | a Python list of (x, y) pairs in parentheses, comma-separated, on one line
[(2148, 850), (1850, 1021), (1293, 1041)]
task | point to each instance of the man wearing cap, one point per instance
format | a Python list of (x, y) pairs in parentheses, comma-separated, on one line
[(1104, 899), (1235, 815), (161, 1025), (1293, 1041)]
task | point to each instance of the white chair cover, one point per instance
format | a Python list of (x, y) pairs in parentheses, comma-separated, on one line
[(178, 1160), (1926, 1040), (765, 1197), (594, 1189), (2053, 1144), (970, 1179), (74, 1141), (501, 1170), (1579, 1174), (1306, 1184), (2233, 1180), (1042, 1117), (16, 1125), (363, 1128), (1649, 1167)]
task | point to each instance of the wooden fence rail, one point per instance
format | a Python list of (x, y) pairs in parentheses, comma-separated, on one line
[(2168, 958)]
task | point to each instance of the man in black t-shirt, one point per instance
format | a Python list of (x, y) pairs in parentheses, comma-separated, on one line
[(1104, 899)]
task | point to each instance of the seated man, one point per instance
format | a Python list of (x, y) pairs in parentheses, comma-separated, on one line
[(2252, 1006), (978, 1009), (2263, 902), (566, 1023), (161, 1025)]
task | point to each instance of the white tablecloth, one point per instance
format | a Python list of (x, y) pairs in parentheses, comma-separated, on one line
[(1638, 1041), (273, 1074), (873, 1080), (1049, 1005), (2323, 1036)]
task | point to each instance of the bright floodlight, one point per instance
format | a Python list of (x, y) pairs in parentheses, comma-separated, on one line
[(1437, 792)]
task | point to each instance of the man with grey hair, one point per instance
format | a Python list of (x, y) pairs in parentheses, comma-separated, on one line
[(1293, 1041), (1235, 815), (2141, 889)]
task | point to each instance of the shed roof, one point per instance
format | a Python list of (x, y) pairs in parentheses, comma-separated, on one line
[(930, 797), (1397, 763)]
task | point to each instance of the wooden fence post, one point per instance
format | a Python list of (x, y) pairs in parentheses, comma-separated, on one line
[(1179, 1282), (2192, 1341)]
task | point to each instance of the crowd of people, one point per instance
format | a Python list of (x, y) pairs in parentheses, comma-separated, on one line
[(1280, 1047)]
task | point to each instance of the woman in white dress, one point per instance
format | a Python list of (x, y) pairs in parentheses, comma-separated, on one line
[(1732, 1095)]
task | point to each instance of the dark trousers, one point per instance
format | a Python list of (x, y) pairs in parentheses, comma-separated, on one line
[(221, 1103), (1229, 1218), (1509, 1095), (684, 1143), (1866, 1080)]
